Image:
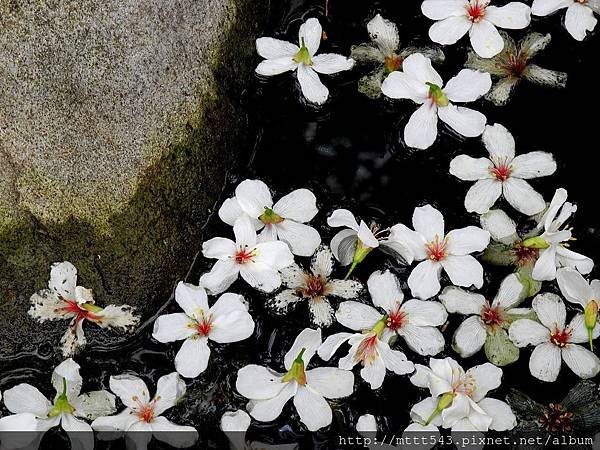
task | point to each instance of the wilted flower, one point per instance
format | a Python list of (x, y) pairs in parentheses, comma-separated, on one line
[(577, 413), (281, 56), (579, 17), (554, 341), (384, 51), (65, 300), (352, 245), (503, 173), (512, 65), (420, 83), (285, 220), (235, 424), (487, 322), (437, 250), (226, 321), (67, 409), (269, 391), (257, 262), (141, 419), (476, 17), (314, 286), (458, 398)]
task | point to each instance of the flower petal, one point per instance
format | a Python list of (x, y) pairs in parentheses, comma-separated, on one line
[(276, 66), (373, 372), (67, 372), (581, 361), (311, 32), (366, 236), (501, 91), (302, 239), (510, 292), (331, 344), (424, 340), (25, 398), (94, 404), (459, 409), (499, 142), (395, 360), (442, 9), (463, 270), (512, 16), (448, 31), (270, 408), (483, 195), (313, 90), (330, 382), (366, 424), (173, 327), (258, 382), (525, 332), (464, 121), (428, 222), (501, 227), (424, 280), (330, 63), (503, 418), (468, 85), (346, 289), (129, 387), (177, 436), (384, 33), (308, 340), (402, 86), (523, 197), (261, 276), (253, 197), (545, 266), (463, 241), (343, 246), (384, 289), (313, 409), (579, 332), (569, 258), (63, 279), (299, 205), (342, 218), (232, 327), (423, 410), (192, 358), (545, 77), (421, 129), (533, 165), (469, 337), (579, 20), (419, 67), (487, 378), (545, 7), (545, 362), (410, 239), (218, 248), (459, 301), (270, 48), (169, 390), (574, 287), (357, 316), (221, 276), (485, 39), (550, 310), (470, 169), (191, 298), (425, 313)]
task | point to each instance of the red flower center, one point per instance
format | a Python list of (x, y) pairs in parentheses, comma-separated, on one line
[(476, 10), (72, 307), (244, 255), (561, 338), (436, 250), (501, 172), (145, 411), (524, 254), (396, 319), (516, 65), (366, 352), (491, 316), (314, 286), (204, 326), (392, 63)]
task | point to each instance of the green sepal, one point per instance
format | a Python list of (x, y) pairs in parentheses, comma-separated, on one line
[(532, 287), (499, 254), (499, 349)]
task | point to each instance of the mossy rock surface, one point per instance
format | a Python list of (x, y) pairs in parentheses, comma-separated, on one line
[(119, 120)]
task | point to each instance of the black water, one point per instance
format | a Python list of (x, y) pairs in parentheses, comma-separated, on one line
[(349, 153)]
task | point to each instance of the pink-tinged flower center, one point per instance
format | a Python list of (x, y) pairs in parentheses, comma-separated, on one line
[(367, 350), (491, 316), (243, 255), (476, 10), (525, 255), (465, 385), (516, 65), (315, 286), (501, 171), (561, 338), (72, 307), (392, 63), (396, 319), (204, 326), (436, 250), (145, 411)]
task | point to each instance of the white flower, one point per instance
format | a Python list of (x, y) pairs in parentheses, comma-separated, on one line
[(553, 242), (487, 322), (415, 321), (553, 341), (281, 56), (579, 17), (577, 290), (257, 263), (34, 412), (437, 251), (314, 286), (458, 398), (141, 419), (455, 18), (503, 174), (384, 51), (366, 425), (420, 83), (235, 424), (65, 300), (269, 391), (226, 321), (284, 220), (352, 245)]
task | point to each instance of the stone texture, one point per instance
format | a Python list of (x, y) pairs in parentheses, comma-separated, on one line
[(118, 120)]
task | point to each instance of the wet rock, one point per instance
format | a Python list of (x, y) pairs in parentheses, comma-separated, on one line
[(118, 121)]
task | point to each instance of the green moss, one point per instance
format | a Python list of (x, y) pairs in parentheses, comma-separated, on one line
[(138, 254)]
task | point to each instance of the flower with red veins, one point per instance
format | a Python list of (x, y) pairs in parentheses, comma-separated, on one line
[(476, 10), (143, 413), (64, 300), (440, 251), (513, 64), (458, 397), (503, 174), (258, 263), (314, 286), (555, 341), (579, 18), (227, 320), (524, 255), (486, 322), (385, 55)]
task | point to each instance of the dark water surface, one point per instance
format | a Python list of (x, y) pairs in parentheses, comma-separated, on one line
[(349, 153)]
